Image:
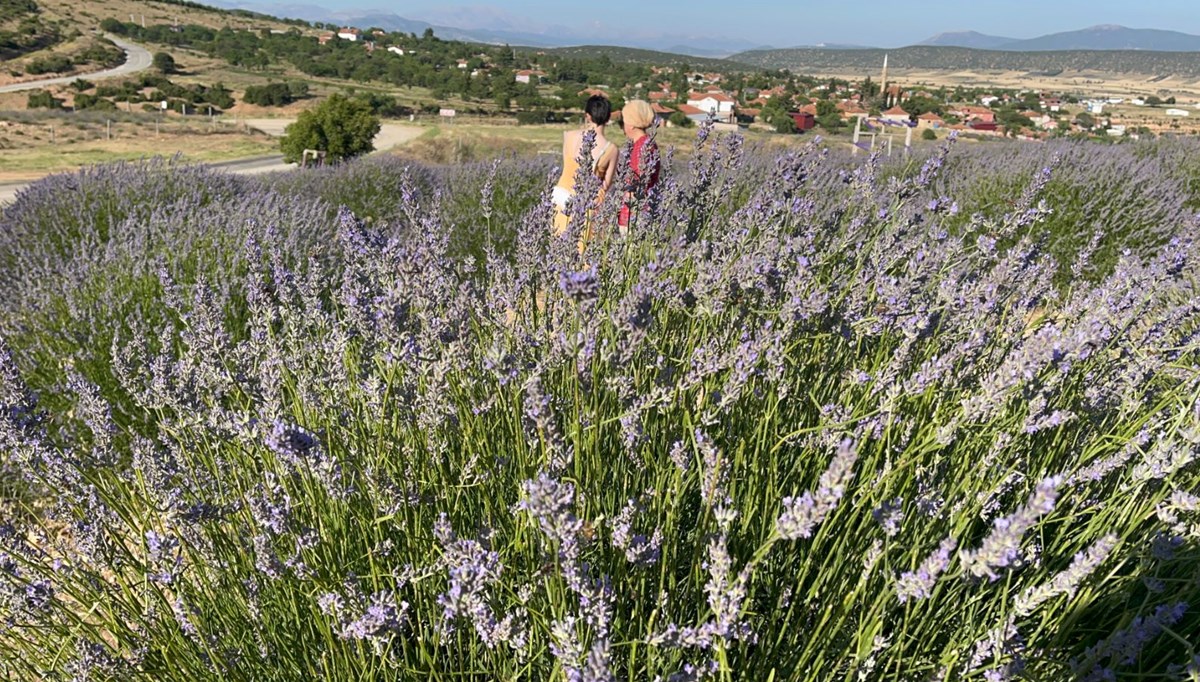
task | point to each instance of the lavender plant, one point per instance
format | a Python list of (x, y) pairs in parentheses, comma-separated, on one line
[(814, 418)]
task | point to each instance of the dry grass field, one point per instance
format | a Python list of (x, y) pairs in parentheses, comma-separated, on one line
[(33, 148)]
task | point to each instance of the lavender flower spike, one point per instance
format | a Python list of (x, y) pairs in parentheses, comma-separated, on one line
[(1067, 582), (801, 515), (1002, 548), (919, 584)]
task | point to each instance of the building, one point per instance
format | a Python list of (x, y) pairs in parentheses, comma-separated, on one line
[(718, 104), (462, 63), (803, 120), (897, 115), (351, 34), (930, 120), (969, 113), (696, 114), (324, 38), (396, 50), (1178, 113), (529, 76), (662, 97), (661, 113)]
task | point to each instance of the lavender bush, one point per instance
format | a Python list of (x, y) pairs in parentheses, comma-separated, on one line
[(816, 418)]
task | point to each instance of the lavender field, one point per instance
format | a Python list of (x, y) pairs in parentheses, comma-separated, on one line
[(818, 417)]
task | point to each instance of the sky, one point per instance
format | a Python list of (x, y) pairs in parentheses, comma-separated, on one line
[(786, 24)]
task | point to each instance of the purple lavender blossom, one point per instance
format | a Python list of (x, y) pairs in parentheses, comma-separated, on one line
[(1002, 548), (801, 515), (919, 584), (1066, 582)]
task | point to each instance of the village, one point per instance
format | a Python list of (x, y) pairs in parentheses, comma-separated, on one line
[(784, 102)]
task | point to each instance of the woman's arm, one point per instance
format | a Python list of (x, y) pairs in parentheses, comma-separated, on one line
[(609, 174)]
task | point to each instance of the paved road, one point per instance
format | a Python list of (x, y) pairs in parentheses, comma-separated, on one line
[(136, 59)]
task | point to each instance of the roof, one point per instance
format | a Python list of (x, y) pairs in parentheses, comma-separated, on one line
[(689, 110), (895, 111), (810, 109), (660, 109), (929, 116), (658, 96), (718, 96)]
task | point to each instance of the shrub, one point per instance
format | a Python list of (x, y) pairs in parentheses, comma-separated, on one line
[(42, 99), (928, 134), (341, 127), (164, 63), (269, 95), (52, 64)]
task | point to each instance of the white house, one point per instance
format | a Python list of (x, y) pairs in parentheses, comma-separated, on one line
[(1138, 102), (396, 50), (528, 76), (717, 103), (1178, 113), (1116, 131), (1096, 107), (351, 34), (988, 100)]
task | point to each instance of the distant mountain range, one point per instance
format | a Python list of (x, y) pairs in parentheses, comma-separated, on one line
[(971, 39), (1103, 37), (497, 29)]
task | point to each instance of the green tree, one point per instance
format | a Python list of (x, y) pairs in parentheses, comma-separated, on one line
[(784, 124), (341, 127), (680, 120), (928, 134), (164, 62)]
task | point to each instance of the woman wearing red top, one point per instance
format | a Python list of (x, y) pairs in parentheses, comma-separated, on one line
[(638, 120)]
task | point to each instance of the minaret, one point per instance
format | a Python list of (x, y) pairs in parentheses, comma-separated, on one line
[(883, 82)]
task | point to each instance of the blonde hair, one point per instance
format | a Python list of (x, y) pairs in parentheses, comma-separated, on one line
[(638, 114)]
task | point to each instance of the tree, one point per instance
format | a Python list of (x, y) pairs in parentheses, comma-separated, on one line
[(341, 127), (928, 134), (164, 62), (1085, 120), (785, 124), (680, 120)]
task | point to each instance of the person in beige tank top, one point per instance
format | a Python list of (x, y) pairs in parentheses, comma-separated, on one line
[(597, 112)]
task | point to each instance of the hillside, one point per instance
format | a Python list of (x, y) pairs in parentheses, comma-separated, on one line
[(632, 55), (1146, 63)]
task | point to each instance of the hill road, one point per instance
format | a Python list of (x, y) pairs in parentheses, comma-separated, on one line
[(137, 58)]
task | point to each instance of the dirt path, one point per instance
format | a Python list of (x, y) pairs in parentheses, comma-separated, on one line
[(137, 58), (390, 134)]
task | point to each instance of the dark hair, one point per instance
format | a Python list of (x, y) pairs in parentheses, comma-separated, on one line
[(599, 108)]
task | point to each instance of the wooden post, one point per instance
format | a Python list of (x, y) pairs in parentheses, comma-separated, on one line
[(889, 145), (108, 130), (908, 141), (52, 139), (857, 131)]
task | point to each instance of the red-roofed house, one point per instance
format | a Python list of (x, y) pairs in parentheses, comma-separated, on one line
[(324, 38), (896, 114), (696, 114), (661, 113), (529, 76), (930, 120), (351, 34), (662, 97), (971, 113), (718, 104)]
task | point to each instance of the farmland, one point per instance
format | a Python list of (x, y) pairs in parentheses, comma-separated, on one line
[(816, 417)]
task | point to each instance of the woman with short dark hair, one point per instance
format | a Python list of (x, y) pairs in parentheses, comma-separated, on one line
[(597, 111)]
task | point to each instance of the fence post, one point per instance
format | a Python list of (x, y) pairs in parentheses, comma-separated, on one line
[(108, 129)]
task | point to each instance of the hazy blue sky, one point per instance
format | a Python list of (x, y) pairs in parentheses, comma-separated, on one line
[(874, 22)]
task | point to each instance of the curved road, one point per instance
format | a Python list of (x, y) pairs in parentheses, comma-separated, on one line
[(137, 58)]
